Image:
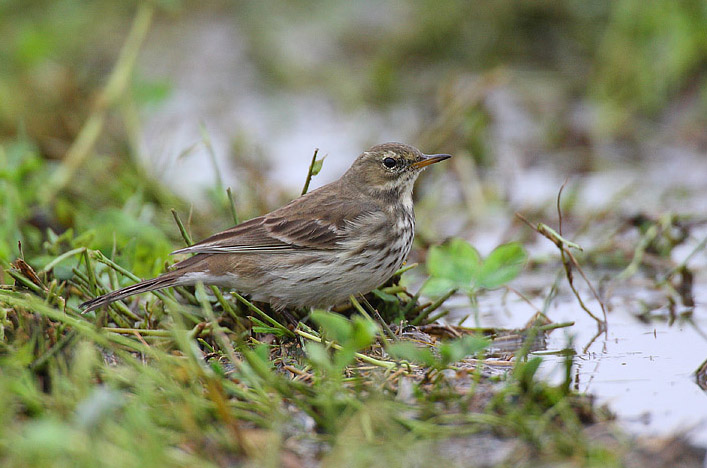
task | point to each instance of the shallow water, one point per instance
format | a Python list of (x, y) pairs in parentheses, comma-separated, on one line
[(644, 372)]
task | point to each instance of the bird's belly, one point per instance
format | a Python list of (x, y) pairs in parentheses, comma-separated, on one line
[(324, 281)]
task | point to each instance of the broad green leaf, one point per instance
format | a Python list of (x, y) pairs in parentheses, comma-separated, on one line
[(411, 352), (336, 327), (502, 265), (385, 296), (318, 355), (438, 286), (457, 261), (456, 350), (343, 357), (364, 332)]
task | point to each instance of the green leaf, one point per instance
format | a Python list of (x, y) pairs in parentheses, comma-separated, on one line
[(502, 265), (526, 371), (411, 352), (317, 166), (344, 357), (335, 326), (318, 355), (456, 350), (438, 286), (385, 297), (456, 261), (364, 332), (262, 327)]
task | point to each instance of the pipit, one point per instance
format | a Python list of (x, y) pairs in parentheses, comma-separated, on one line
[(347, 237)]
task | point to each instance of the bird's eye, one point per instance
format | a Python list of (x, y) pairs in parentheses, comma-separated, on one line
[(389, 163)]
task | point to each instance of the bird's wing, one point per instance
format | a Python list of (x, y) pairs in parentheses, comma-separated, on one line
[(313, 222)]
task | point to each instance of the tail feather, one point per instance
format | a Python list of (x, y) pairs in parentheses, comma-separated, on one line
[(164, 281)]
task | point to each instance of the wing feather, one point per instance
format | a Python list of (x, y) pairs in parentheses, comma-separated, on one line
[(316, 221)]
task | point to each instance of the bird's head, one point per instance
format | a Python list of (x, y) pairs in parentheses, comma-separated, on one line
[(390, 167)]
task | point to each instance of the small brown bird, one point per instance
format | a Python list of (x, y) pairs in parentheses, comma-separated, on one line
[(347, 237)]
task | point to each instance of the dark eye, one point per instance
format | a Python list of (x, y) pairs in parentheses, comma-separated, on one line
[(389, 163)]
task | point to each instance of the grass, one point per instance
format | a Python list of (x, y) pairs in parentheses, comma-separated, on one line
[(192, 376), (203, 377), (77, 393)]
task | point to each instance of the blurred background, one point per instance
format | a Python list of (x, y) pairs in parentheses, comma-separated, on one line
[(112, 113)]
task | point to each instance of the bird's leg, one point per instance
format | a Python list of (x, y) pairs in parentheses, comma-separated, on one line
[(291, 319)]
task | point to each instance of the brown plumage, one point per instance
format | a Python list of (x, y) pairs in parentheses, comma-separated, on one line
[(344, 238)]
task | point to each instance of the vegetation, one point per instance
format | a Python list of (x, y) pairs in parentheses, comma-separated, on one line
[(198, 377)]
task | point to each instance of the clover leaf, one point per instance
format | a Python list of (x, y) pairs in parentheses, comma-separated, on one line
[(458, 264)]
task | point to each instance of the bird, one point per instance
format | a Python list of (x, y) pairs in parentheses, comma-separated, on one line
[(345, 238)]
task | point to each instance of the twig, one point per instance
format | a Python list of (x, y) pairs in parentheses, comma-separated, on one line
[(99, 257), (639, 251), (206, 139), (310, 172), (139, 331), (438, 316), (405, 268), (413, 301), (555, 326), (358, 307), (26, 282), (380, 319), (559, 209), (522, 296), (224, 342), (568, 260), (61, 344), (92, 283)]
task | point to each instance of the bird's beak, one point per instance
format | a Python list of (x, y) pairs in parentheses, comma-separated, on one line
[(430, 159)]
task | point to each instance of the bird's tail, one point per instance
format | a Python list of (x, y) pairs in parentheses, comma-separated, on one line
[(164, 281)]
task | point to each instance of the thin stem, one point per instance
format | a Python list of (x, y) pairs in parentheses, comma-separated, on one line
[(362, 357), (262, 314), (310, 172), (232, 205)]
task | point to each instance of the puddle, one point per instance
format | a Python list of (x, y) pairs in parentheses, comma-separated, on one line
[(645, 372)]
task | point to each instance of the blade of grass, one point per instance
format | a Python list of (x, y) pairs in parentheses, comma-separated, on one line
[(62, 257), (362, 357), (424, 313), (232, 205), (118, 81), (262, 314)]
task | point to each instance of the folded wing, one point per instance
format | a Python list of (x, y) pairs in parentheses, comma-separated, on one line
[(305, 223)]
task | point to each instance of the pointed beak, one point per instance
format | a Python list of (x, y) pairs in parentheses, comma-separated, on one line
[(430, 159)]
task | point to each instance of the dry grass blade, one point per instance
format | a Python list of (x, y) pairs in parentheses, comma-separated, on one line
[(568, 261)]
